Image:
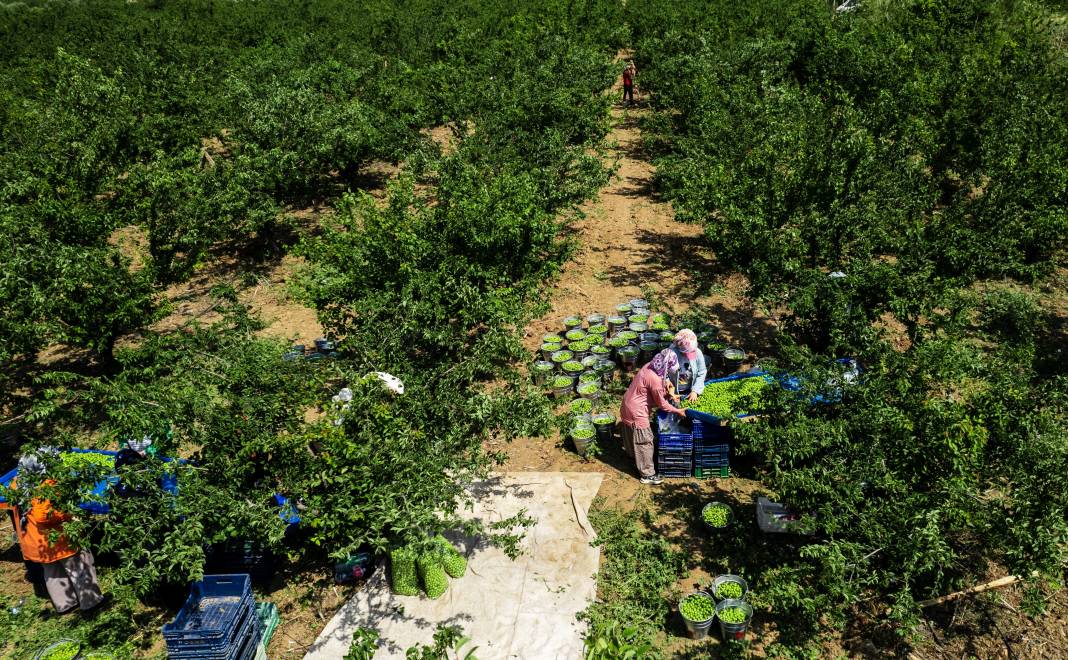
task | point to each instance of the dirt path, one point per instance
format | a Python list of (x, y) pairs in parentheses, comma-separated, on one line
[(630, 245)]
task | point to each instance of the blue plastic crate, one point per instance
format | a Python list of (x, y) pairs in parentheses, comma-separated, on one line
[(711, 452), (676, 474), (233, 648), (247, 651), (674, 460), (675, 444), (710, 432), (708, 461), (711, 463), (212, 618), (230, 648), (676, 451)]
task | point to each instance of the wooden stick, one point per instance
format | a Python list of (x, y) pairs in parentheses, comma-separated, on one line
[(979, 588)]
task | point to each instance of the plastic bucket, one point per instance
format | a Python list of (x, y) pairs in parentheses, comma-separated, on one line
[(606, 426), (570, 323), (560, 357), (607, 369), (616, 323), (602, 352), (542, 370), (57, 646), (648, 351), (595, 319), (581, 419), (582, 445), (730, 515), (547, 350), (580, 407), (734, 579), (560, 390), (734, 630), (697, 629), (575, 334), (733, 358), (592, 393)]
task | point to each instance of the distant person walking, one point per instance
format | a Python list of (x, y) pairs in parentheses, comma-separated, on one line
[(628, 83)]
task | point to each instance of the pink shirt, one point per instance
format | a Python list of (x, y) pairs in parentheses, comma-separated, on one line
[(645, 394)]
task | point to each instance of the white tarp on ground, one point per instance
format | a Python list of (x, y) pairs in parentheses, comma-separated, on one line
[(511, 609)]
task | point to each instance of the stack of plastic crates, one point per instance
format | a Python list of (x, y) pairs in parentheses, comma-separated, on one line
[(674, 452), (711, 450), (217, 622), (241, 557)]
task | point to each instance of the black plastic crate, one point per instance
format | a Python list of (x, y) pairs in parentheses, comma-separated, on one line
[(678, 456), (241, 557)]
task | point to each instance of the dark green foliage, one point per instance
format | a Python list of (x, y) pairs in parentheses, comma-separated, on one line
[(913, 147), (882, 176), (638, 566)]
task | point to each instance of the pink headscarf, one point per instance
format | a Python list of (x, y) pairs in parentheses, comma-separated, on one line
[(664, 363), (686, 342)]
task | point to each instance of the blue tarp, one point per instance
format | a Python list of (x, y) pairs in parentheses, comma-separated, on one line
[(286, 510), (787, 381)]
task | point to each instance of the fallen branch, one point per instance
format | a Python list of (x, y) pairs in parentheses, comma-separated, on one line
[(979, 588)]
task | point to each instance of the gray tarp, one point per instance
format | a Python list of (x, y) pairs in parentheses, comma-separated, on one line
[(511, 609)]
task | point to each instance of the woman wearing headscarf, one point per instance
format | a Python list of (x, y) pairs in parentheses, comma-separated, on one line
[(69, 574), (647, 392), (690, 378)]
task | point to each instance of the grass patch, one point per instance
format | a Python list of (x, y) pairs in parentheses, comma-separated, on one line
[(638, 567)]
